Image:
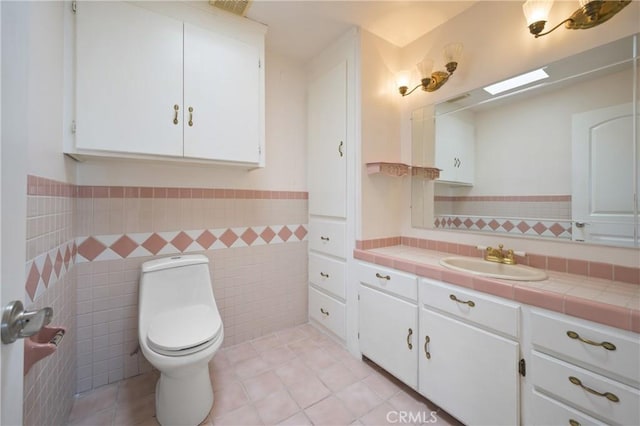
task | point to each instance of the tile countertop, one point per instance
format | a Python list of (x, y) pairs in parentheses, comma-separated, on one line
[(607, 302)]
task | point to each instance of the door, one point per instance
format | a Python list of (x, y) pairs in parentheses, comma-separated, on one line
[(469, 372), (222, 96), (14, 17), (388, 333), (128, 79), (603, 175), (327, 128)]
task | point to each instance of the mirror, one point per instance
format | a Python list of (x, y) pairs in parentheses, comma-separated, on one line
[(557, 158)]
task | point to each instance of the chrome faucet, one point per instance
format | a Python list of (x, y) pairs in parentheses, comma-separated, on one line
[(499, 255)]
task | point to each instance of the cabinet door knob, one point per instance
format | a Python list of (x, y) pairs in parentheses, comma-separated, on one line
[(574, 422), (383, 277), (409, 344), (340, 149), (607, 345), (176, 108), (611, 397), (323, 312), (323, 275), (190, 116), (470, 303), (427, 354), (323, 238)]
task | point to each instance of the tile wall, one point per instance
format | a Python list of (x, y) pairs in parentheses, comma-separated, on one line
[(51, 281), (544, 216), (255, 240), (85, 245)]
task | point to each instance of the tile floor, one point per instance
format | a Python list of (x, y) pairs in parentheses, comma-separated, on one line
[(297, 376)]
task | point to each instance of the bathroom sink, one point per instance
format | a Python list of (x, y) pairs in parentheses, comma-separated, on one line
[(484, 268)]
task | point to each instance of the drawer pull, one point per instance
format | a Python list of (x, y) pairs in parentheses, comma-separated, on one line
[(323, 275), (470, 303), (608, 346), (574, 422), (323, 312), (383, 277), (427, 354), (340, 149), (611, 397), (409, 344), (324, 238), (190, 116)]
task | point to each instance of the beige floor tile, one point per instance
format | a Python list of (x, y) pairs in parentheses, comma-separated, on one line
[(298, 419), (102, 418), (385, 387), (276, 407), (308, 392), (90, 403), (135, 411), (330, 412), (243, 416), (250, 367), (359, 399), (262, 385), (228, 398), (336, 377), (277, 356)]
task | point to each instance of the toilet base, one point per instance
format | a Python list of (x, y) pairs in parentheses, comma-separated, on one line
[(184, 400)]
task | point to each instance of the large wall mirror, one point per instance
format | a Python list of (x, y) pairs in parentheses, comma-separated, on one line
[(555, 158)]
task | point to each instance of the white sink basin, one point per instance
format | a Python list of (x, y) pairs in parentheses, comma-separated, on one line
[(484, 268)]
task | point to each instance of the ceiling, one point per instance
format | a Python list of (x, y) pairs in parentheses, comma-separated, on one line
[(301, 29)]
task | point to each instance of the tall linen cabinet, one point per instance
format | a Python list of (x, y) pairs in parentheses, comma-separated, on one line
[(333, 140)]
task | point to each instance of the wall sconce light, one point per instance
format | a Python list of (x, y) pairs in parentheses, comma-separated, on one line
[(590, 14), (431, 81)]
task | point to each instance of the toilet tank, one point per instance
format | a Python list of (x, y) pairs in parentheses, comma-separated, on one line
[(175, 281)]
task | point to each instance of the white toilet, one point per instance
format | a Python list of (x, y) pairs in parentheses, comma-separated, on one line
[(179, 329)]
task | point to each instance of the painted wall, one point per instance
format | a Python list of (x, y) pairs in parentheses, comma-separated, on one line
[(380, 141)]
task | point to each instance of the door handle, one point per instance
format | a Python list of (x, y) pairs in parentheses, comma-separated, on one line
[(18, 323)]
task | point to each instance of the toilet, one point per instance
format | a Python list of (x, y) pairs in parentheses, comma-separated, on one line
[(180, 330)]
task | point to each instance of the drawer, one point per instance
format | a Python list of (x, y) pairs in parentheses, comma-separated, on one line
[(549, 334), (548, 411), (488, 311), (389, 280), (328, 237), (328, 274), (327, 311), (551, 376)]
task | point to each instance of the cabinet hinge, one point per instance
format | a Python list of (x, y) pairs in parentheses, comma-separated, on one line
[(259, 150), (73, 127), (74, 6), (358, 335), (522, 367), (358, 296), (259, 63)]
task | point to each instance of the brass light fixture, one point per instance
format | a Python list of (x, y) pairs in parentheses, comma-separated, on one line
[(432, 81), (590, 14)]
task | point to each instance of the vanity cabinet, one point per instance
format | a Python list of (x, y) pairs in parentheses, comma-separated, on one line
[(454, 147), (388, 320), (588, 372), (469, 354), (151, 85)]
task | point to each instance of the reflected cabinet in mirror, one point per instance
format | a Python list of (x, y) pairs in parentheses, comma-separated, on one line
[(555, 158)]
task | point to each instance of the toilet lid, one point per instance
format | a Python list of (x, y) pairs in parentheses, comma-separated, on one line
[(183, 328)]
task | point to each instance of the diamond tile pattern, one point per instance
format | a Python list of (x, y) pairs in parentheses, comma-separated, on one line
[(541, 228), (48, 268), (126, 246)]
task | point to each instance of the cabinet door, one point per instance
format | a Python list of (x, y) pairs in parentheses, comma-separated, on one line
[(469, 372), (327, 124), (128, 80), (388, 331), (455, 147), (222, 94)]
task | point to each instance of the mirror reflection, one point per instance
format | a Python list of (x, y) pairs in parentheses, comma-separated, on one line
[(555, 158)]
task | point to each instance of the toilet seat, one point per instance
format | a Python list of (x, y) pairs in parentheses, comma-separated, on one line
[(184, 331)]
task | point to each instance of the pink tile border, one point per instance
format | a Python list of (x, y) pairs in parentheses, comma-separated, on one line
[(510, 198), (550, 263), (40, 186)]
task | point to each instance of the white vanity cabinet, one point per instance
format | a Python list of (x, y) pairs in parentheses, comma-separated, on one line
[(388, 320), (469, 354), (148, 84), (455, 147), (589, 373)]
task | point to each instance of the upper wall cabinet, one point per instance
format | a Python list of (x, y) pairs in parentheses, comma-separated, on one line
[(151, 85)]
